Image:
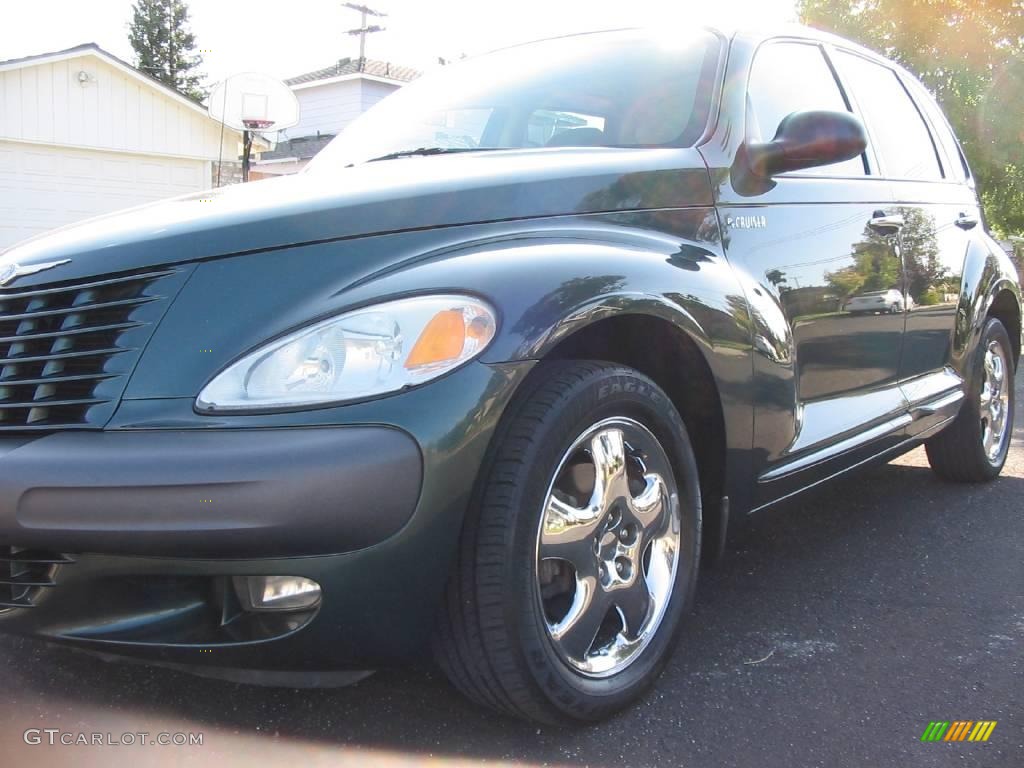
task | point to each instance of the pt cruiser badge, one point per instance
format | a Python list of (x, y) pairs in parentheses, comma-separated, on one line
[(11, 272), (747, 222)]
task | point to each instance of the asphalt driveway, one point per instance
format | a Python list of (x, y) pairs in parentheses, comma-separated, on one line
[(834, 631)]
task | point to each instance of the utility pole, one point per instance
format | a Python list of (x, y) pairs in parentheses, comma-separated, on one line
[(364, 28)]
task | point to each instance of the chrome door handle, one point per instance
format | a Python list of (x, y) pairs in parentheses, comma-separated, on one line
[(886, 224), (967, 221)]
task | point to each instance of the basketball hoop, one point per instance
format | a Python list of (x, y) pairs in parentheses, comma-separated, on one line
[(250, 102), (257, 125)]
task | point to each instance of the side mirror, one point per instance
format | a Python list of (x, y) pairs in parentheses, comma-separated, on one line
[(808, 140)]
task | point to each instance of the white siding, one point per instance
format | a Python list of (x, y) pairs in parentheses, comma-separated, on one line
[(45, 103), (328, 108), (374, 92)]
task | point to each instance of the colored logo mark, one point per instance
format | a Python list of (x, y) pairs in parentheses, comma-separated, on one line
[(958, 730)]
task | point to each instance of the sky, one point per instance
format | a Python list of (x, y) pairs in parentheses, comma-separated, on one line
[(284, 38)]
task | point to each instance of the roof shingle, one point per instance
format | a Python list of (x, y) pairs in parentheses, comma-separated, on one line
[(350, 66), (301, 148)]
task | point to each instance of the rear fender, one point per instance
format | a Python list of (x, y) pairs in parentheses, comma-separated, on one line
[(988, 272)]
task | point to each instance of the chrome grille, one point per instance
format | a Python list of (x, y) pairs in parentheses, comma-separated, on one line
[(66, 348), (24, 573)]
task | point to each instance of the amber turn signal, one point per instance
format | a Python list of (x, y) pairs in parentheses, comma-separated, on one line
[(442, 339)]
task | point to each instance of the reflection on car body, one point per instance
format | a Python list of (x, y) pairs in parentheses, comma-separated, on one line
[(491, 376), (890, 301)]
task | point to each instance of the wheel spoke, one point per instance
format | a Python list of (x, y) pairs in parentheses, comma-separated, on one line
[(608, 452), (577, 630), (998, 420), (997, 371), (649, 506), (986, 397), (566, 534), (634, 604)]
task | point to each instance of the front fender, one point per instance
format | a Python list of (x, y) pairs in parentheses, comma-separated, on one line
[(555, 278), (547, 278)]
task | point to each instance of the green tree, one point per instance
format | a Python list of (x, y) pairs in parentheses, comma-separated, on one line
[(165, 47), (970, 54)]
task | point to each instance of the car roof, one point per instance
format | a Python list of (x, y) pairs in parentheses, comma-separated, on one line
[(754, 36), (749, 37), (746, 36)]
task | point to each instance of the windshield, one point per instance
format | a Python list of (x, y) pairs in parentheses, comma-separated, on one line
[(611, 89)]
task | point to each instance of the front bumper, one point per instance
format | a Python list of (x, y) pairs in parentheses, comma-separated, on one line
[(158, 522), (219, 493)]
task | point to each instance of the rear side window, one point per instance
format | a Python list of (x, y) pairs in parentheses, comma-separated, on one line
[(955, 165), (794, 77), (897, 130)]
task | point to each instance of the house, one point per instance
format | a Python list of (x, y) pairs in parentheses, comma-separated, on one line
[(83, 133), (329, 99), (1015, 247)]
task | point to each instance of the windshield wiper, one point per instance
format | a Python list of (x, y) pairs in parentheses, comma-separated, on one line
[(426, 151)]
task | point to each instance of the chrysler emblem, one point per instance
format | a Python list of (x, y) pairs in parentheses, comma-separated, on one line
[(11, 272)]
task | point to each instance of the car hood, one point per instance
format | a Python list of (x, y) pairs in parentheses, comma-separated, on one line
[(387, 196)]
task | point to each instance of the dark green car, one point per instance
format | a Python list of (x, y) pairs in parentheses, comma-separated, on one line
[(496, 371)]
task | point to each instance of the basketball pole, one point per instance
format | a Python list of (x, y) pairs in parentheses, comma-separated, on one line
[(246, 152)]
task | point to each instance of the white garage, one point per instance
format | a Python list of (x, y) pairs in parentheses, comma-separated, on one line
[(82, 133)]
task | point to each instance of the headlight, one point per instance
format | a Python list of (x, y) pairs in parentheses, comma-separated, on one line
[(364, 353)]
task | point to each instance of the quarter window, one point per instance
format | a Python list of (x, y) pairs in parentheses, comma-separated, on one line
[(955, 164), (794, 77), (897, 130)]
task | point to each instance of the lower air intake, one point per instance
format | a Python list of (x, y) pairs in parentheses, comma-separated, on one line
[(25, 573)]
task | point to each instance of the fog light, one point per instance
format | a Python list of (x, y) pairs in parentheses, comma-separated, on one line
[(277, 593)]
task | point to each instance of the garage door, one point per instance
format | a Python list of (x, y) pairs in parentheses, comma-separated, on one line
[(45, 187)]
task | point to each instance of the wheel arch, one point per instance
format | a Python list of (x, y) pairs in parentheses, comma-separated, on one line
[(989, 288), (1005, 307), (676, 362)]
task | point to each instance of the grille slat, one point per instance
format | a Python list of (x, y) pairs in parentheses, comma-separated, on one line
[(66, 355), (27, 580), (96, 284), (77, 331), (62, 345), (16, 382), (33, 557), (13, 603), (52, 403), (81, 308)]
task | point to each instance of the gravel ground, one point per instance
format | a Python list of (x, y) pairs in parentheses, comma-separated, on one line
[(834, 631)]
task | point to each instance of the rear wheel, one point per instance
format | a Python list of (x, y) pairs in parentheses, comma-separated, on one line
[(973, 448), (573, 577)]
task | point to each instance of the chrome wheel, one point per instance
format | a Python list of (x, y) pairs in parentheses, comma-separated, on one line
[(608, 547), (995, 401)]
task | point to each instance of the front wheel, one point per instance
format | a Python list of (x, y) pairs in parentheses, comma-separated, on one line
[(974, 447), (581, 559)]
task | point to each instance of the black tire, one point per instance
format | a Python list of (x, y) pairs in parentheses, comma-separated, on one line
[(957, 453), (492, 640)]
